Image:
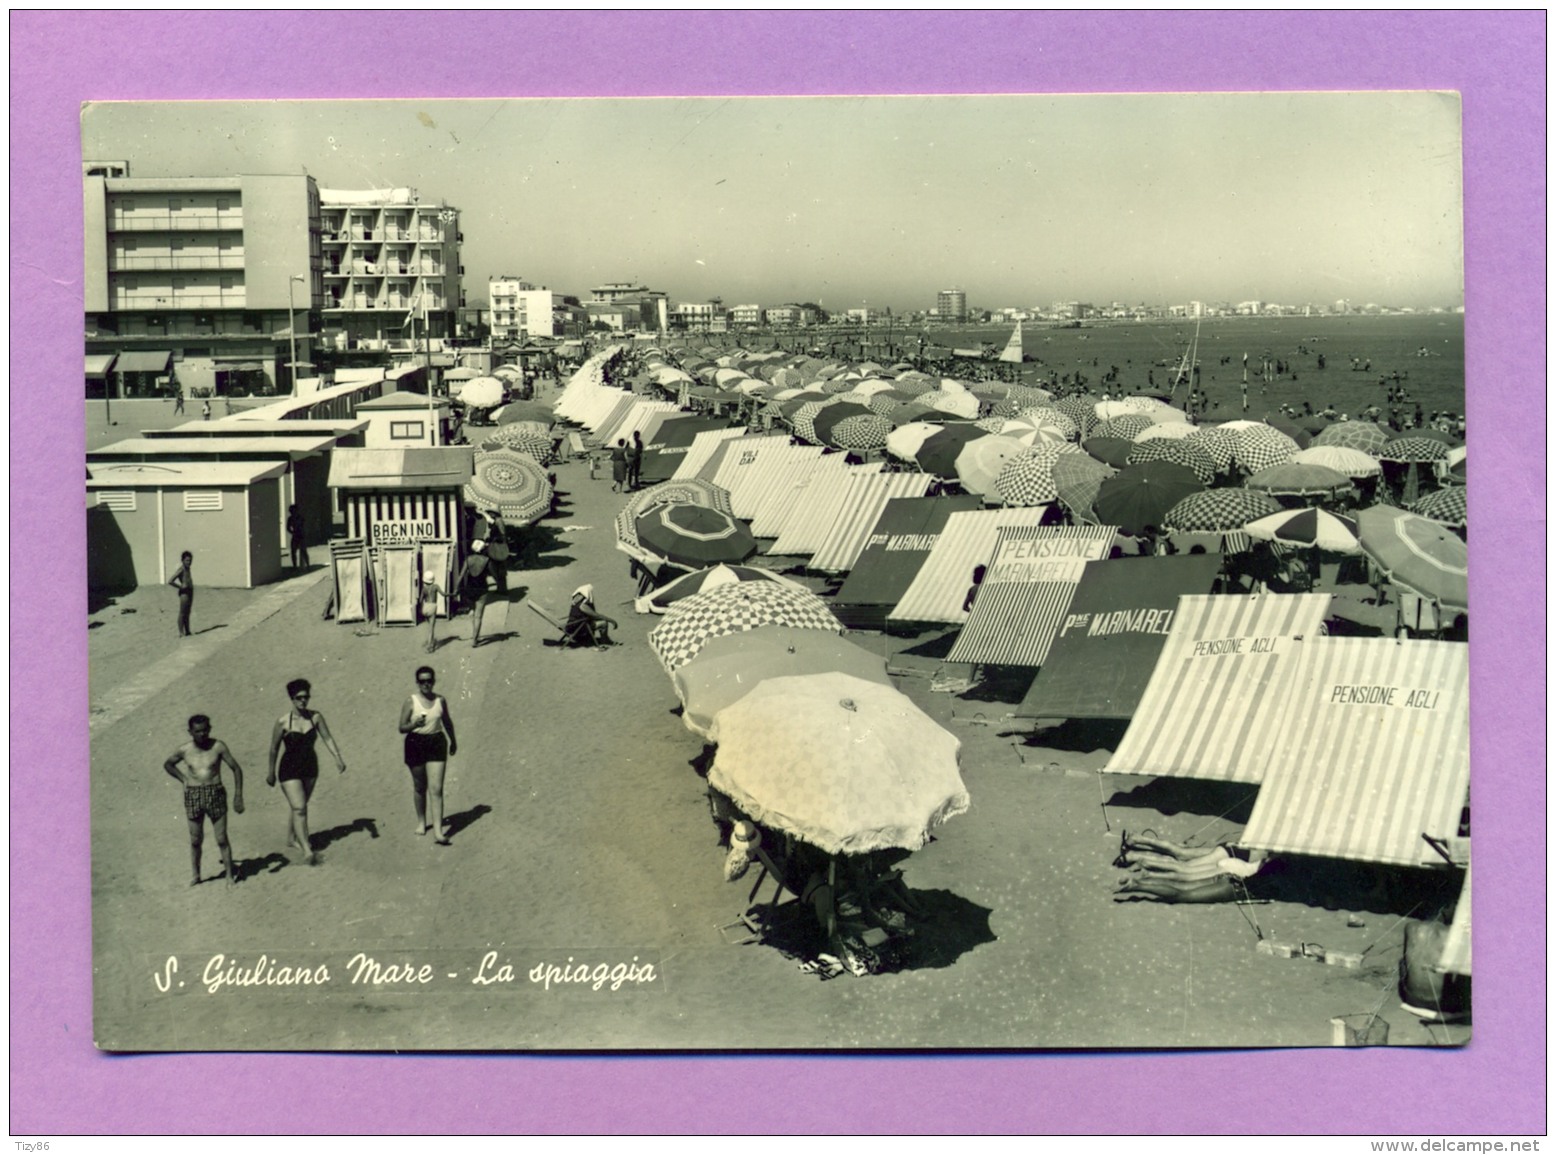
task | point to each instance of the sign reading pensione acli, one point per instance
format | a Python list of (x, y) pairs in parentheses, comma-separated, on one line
[(403, 530)]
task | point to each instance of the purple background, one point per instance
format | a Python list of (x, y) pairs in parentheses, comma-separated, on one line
[(61, 1084)]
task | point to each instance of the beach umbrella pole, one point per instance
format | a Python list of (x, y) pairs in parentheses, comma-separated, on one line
[(1102, 795)]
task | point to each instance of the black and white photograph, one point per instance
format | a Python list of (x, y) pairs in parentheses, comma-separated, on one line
[(778, 574)]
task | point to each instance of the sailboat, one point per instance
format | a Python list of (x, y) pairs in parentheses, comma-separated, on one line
[(1013, 350), (1185, 370)]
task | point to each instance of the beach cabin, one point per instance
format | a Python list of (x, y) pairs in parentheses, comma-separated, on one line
[(402, 420), (141, 515), (401, 496), (305, 462)]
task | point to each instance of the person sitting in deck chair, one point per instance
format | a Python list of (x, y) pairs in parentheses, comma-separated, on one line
[(586, 626)]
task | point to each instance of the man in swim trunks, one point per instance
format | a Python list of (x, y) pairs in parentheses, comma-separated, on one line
[(198, 765)]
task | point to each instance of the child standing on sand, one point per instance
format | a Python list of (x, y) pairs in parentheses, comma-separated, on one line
[(198, 765)]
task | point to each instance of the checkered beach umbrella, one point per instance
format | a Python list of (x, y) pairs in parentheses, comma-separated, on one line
[(1182, 452), (1025, 395), (1219, 510), (803, 419), (1167, 431), (1120, 406), (1220, 443), (1078, 477), (1261, 446), (1128, 426), (1363, 435), (702, 580), (731, 609), (883, 403), (1028, 479), (1081, 409), (990, 424), (914, 384), (1413, 450), (512, 483), (1448, 506), (523, 440), (866, 431), (828, 417)]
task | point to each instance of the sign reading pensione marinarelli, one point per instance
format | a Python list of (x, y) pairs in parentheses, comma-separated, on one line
[(403, 531)]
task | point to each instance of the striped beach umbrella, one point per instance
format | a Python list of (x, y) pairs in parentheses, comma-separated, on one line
[(1313, 528), (939, 452), (1183, 453), (1351, 462), (1039, 427), (1219, 510)]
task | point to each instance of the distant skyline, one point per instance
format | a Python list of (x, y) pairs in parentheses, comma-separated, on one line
[(883, 201)]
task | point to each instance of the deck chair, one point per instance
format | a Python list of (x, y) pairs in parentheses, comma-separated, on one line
[(352, 580)]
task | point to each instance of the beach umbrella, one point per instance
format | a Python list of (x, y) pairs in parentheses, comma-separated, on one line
[(1025, 395), (461, 373), (693, 491), (990, 424), (979, 463), (882, 404), (1260, 446), (1184, 453), (693, 536), (1118, 407), (958, 404), (1363, 435), (482, 392), (914, 384), (803, 420), (1081, 409), (1127, 427), (826, 419), (1112, 451), (523, 439), (1219, 510), (912, 411), (1315, 424), (904, 441), (727, 669), (1038, 427), (1413, 449), (1314, 528), (839, 762), (1220, 443), (1351, 462), (693, 621), (1294, 479), (1431, 434), (1167, 431), (867, 431), (939, 452), (1141, 495), (1028, 478), (537, 411), (1292, 430), (1416, 554), (1449, 506), (705, 579), (510, 482), (792, 405)]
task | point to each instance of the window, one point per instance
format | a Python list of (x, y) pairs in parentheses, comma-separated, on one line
[(223, 204), (202, 500), (118, 500), (407, 430)]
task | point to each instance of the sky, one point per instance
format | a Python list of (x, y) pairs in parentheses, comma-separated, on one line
[(882, 201)]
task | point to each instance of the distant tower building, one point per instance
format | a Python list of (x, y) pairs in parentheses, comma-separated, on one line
[(951, 305)]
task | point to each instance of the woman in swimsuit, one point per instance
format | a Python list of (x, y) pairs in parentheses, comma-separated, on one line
[(429, 743), (297, 768)]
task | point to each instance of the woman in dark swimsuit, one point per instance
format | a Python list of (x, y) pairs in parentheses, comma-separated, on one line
[(294, 738)]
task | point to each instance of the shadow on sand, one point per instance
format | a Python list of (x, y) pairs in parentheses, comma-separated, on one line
[(539, 547), (465, 818), (323, 838), (245, 868)]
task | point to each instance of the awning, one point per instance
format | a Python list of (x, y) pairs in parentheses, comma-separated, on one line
[(744, 475), (241, 367), (1371, 754), (1212, 700), (1113, 633), (143, 361), (862, 506), (939, 589), (1030, 578), (821, 502), (789, 487), (702, 448), (98, 364), (895, 548)]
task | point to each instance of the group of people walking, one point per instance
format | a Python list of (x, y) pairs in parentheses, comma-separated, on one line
[(425, 721)]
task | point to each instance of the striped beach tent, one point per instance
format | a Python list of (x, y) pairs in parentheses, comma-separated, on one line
[(939, 589), (812, 516), (862, 505), (745, 475), (1214, 693), (703, 447), (1455, 958), (787, 485), (1370, 756), (1031, 577), (898, 544), (1112, 633)]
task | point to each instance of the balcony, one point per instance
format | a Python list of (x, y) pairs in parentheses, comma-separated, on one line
[(167, 261), (231, 300), (175, 222)]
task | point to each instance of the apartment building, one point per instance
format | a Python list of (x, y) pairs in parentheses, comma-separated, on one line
[(627, 307), (390, 267), (520, 310), (742, 315), (783, 315), (193, 282), (951, 305), (700, 316)]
